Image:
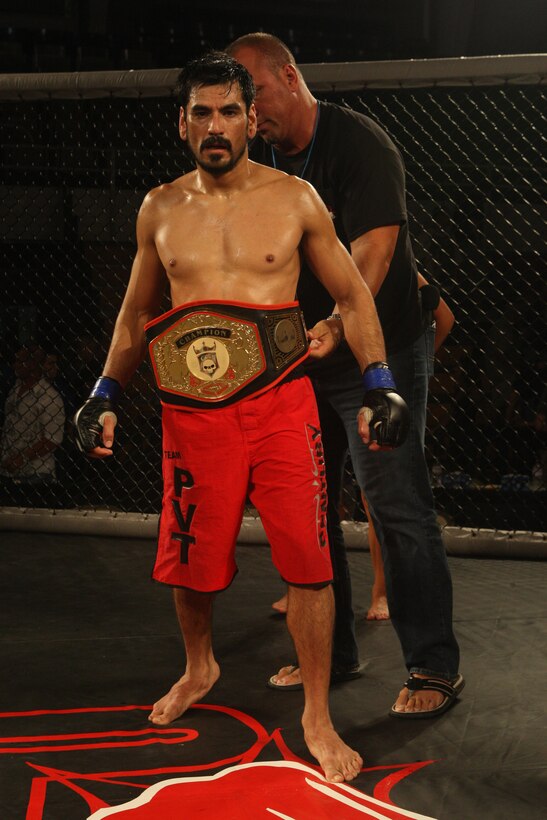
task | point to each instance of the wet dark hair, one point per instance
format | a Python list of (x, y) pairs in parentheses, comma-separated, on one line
[(214, 68)]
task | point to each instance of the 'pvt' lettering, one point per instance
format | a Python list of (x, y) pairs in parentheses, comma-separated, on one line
[(183, 480)]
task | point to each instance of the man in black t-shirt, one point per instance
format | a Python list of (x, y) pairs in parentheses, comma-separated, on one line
[(359, 173)]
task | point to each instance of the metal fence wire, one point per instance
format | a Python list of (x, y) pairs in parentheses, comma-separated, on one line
[(74, 172)]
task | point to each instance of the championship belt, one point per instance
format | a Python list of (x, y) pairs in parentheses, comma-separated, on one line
[(211, 354)]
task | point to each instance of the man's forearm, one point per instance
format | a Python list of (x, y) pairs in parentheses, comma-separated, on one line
[(128, 347), (362, 330), (372, 253), (444, 319)]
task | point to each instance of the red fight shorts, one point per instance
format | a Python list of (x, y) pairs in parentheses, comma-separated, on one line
[(267, 447)]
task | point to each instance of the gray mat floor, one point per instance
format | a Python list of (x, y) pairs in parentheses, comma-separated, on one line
[(84, 627)]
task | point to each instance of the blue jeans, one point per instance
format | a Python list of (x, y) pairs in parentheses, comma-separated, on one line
[(398, 492)]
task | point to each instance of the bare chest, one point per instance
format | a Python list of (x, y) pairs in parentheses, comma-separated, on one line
[(244, 236)]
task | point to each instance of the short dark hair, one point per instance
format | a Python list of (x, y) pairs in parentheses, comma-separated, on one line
[(214, 68)]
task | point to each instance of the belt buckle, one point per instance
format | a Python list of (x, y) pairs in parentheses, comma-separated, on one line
[(207, 356)]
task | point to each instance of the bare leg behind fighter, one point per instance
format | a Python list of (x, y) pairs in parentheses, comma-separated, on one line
[(378, 610), (309, 619)]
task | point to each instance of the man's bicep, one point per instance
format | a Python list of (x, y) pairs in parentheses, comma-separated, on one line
[(373, 192), (316, 220), (147, 281), (325, 254), (373, 251), (331, 263)]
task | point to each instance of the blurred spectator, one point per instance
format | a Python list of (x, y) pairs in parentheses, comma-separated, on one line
[(50, 367), (7, 377), (448, 406), (539, 470), (526, 393), (518, 447), (34, 420), (83, 367), (51, 370), (526, 417)]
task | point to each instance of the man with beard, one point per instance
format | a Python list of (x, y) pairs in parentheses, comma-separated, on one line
[(239, 416)]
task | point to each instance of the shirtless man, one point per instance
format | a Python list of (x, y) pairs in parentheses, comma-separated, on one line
[(227, 238)]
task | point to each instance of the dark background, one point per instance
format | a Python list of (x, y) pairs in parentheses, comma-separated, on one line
[(73, 173), (82, 35)]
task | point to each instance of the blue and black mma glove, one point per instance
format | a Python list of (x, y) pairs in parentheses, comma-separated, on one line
[(89, 419), (385, 410)]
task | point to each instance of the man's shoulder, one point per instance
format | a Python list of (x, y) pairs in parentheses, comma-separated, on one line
[(342, 120), (282, 183), (265, 173), (282, 194), (164, 197), (168, 191)]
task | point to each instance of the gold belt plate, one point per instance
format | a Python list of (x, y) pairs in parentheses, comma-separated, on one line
[(207, 356)]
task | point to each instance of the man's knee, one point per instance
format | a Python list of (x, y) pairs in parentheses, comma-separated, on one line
[(317, 586)]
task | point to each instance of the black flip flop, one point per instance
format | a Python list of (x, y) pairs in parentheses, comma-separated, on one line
[(450, 690), (337, 676), (289, 687)]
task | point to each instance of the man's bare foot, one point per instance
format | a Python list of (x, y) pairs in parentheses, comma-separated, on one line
[(379, 610), (338, 761), (182, 695), (281, 605)]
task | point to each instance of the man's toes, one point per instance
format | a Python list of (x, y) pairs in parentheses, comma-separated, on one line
[(157, 716), (354, 767), (416, 704), (295, 677), (402, 701), (285, 671), (343, 773), (287, 675), (422, 702)]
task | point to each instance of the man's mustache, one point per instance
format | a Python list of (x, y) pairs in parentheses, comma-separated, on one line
[(216, 142)]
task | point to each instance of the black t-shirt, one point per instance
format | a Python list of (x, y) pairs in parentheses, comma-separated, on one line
[(360, 176)]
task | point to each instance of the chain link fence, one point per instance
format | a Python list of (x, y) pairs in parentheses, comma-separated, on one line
[(77, 161)]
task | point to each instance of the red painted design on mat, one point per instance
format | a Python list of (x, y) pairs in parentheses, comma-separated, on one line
[(290, 791), (286, 781)]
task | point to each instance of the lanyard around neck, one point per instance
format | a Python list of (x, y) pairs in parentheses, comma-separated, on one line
[(309, 151)]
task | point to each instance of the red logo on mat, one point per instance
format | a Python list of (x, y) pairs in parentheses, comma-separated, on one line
[(282, 789), (286, 788)]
